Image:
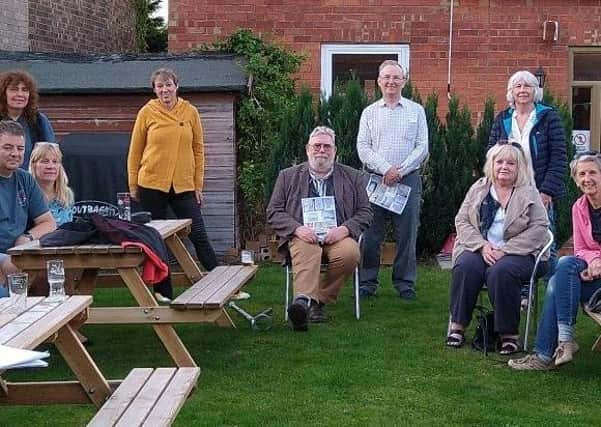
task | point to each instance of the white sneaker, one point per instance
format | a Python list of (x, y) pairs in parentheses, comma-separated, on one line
[(565, 351), (531, 362), (241, 295), (160, 298)]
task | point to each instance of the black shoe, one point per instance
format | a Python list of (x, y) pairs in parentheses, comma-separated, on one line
[(365, 293), (317, 313), (298, 313), (408, 294)]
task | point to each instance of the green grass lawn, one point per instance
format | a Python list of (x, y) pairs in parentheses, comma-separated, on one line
[(389, 368)]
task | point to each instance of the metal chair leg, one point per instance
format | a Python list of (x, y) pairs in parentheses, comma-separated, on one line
[(356, 286), (287, 293)]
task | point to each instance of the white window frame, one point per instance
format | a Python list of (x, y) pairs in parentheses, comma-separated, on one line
[(328, 50)]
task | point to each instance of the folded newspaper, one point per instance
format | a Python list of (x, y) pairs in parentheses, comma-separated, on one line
[(319, 213), (391, 197), (13, 358)]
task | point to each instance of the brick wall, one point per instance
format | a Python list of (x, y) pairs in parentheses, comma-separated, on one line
[(82, 26), (14, 25), (491, 39)]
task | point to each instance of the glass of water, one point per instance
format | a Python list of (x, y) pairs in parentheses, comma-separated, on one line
[(56, 279), (17, 285), (124, 206)]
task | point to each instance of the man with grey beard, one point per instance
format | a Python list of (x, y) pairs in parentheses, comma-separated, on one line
[(320, 176)]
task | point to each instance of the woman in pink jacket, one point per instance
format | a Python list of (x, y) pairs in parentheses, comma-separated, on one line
[(576, 278)]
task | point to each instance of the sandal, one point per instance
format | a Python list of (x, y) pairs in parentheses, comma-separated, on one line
[(456, 338), (509, 346)]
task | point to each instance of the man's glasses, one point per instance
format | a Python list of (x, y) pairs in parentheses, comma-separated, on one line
[(393, 78), (318, 147)]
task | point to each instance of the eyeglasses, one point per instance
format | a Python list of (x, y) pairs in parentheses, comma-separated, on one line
[(512, 143), (393, 78), (318, 147), (44, 143)]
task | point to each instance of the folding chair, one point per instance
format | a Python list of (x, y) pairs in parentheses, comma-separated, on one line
[(533, 290), (287, 263)]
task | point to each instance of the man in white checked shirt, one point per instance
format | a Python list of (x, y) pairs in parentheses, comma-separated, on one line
[(393, 142)]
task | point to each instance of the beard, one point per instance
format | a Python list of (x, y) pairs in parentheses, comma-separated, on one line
[(320, 164)]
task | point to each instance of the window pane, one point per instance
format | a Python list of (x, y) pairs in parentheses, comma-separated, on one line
[(587, 66), (581, 108), (363, 66)]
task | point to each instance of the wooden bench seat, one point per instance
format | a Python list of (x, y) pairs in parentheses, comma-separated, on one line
[(215, 289), (148, 397), (597, 318)]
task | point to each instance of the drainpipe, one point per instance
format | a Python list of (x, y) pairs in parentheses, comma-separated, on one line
[(450, 51)]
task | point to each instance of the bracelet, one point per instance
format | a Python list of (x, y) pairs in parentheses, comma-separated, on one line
[(29, 236)]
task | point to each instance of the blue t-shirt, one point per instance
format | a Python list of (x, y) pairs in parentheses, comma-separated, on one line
[(60, 212), (21, 201)]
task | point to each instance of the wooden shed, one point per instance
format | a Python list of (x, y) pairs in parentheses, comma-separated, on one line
[(102, 94)]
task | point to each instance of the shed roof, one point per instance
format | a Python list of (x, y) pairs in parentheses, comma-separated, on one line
[(126, 73)]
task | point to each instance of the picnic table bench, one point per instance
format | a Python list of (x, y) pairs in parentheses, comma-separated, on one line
[(205, 301), (149, 397), (56, 322), (597, 318)]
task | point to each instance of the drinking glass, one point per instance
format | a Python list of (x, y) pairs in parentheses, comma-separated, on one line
[(247, 257), (17, 285), (56, 279), (124, 206)]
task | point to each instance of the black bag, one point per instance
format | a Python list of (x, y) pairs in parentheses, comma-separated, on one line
[(485, 338)]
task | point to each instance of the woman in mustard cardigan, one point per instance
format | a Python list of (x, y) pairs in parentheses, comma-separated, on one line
[(166, 160)]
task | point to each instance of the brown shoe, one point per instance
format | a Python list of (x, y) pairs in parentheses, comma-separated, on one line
[(317, 313)]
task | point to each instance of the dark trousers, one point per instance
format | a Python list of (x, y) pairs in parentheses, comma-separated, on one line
[(404, 269), (503, 279), (184, 205)]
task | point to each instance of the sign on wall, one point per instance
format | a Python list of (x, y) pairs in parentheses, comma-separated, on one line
[(581, 140)]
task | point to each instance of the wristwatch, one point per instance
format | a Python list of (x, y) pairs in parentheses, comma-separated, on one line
[(29, 236)]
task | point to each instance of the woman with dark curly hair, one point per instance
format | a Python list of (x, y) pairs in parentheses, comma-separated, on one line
[(19, 102)]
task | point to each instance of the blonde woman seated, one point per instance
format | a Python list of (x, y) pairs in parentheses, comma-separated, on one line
[(576, 277), (501, 226), (46, 166)]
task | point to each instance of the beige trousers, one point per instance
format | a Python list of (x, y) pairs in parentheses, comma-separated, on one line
[(342, 258)]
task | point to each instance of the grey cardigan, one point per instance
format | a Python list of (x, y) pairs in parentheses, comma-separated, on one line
[(526, 221), (284, 213)]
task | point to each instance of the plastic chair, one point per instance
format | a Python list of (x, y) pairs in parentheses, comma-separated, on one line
[(287, 263)]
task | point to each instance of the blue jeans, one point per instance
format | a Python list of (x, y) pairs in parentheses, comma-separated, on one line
[(564, 294)]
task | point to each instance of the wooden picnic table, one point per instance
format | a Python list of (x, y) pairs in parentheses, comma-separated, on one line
[(31, 257), (56, 322)]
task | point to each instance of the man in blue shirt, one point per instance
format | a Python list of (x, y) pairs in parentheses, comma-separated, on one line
[(24, 214)]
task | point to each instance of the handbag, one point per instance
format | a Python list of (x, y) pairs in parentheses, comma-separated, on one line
[(485, 337)]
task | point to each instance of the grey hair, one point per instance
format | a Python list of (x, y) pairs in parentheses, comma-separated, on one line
[(10, 127), (394, 64), (592, 158), (530, 79), (164, 73), (323, 130), (507, 151)]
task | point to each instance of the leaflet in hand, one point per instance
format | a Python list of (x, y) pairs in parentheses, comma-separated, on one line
[(319, 213), (12, 358), (391, 197)]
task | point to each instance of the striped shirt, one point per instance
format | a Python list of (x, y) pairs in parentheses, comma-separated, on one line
[(393, 136)]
